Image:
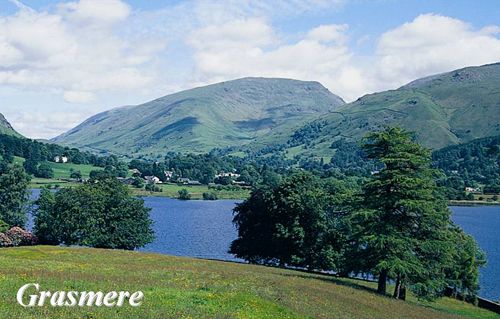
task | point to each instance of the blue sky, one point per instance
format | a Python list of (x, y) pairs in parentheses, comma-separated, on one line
[(63, 61)]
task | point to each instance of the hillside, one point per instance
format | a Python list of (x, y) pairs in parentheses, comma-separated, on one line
[(6, 128), (228, 114), (443, 110), (186, 287)]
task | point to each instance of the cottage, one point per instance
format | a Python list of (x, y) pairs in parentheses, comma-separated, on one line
[(168, 174), (60, 159), (152, 180), (472, 190), (232, 175)]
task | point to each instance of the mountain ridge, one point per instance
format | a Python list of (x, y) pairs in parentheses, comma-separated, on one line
[(6, 127), (226, 114), (443, 109)]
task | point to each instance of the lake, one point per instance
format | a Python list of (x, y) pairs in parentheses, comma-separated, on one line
[(204, 229)]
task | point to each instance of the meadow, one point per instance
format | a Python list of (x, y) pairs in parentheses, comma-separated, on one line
[(187, 287), (196, 192)]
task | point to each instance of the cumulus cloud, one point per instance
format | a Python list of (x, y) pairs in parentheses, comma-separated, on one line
[(79, 97), (96, 11), (429, 44), (249, 47), (64, 51), (433, 44)]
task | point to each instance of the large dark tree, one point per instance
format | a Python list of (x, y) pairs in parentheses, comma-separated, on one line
[(290, 224), (401, 226), (14, 194), (101, 213)]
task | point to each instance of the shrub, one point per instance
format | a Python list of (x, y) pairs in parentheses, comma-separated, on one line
[(184, 194), (21, 237), (5, 241), (210, 196)]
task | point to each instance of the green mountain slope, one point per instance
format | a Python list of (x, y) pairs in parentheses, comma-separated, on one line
[(443, 110), (6, 128), (228, 114)]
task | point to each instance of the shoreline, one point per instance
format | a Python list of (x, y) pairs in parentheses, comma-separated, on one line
[(469, 203)]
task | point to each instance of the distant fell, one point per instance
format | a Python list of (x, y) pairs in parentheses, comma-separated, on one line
[(227, 114), (443, 110), (6, 128)]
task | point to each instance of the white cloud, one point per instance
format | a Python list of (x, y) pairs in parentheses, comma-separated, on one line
[(329, 33), (79, 97), (96, 11), (433, 44), (428, 45), (251, 47), (64, 50)]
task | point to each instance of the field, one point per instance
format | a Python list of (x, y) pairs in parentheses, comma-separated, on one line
[(186, 287), (196, 191)]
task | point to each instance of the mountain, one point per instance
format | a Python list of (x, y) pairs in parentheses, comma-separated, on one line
[(6, 128), (228, 114), (444, 109)]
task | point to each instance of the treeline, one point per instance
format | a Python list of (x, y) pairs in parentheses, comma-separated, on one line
[(205, 167), (394, 226), (475, 164), (35, 152)]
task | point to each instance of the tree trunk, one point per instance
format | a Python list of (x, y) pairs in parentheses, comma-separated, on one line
[(397, 288), (382, 282), (402, 292)]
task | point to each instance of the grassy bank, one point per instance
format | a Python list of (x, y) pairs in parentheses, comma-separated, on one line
[(196, 192), (185, 287)]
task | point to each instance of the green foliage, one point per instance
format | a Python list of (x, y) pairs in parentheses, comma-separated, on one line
[(462, 268), (44, 171), (30, 166), (210, 196), (76, 174), (14, 194), (3, 226), (100, 214), (468, 165), (184, 194), (290, 224), (401, 223)]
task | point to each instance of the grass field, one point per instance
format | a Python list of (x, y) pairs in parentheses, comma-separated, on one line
[(186, 287), (63, 170), (196, 191)]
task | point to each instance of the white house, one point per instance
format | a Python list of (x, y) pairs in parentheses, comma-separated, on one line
[(472, 190), (169, 174), (152, 180), (60, 159)]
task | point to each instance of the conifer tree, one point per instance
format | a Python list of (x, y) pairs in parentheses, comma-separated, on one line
[(402, 227)]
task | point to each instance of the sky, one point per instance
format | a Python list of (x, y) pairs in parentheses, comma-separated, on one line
[(64, 61)]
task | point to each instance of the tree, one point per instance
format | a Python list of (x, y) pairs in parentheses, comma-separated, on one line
[(101, 214), (184, 194), (210, 196), (14, 195), (402, 221), (288, 225), (3, 226), (462, 268), (75, 174), (44, 171), (30, 166)]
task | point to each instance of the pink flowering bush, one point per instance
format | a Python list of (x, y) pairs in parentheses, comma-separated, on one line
[(19, 237), (5, 241)]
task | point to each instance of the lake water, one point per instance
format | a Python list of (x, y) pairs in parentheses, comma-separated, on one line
[(204, 229), (483, 223)]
